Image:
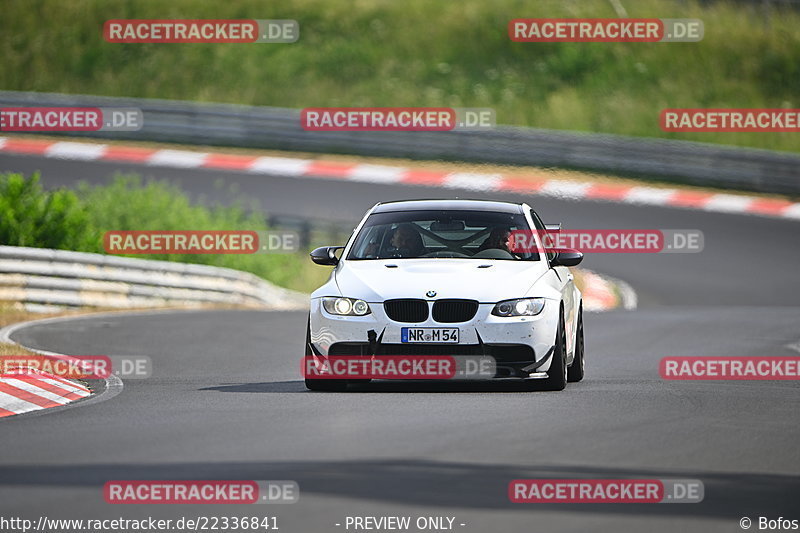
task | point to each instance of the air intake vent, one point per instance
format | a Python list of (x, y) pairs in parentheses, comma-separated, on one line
[(406, 310), (449, 311)]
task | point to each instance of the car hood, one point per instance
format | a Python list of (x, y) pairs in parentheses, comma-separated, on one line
[(482, 280)]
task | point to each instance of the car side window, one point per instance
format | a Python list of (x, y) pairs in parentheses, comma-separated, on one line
[(540, 229)]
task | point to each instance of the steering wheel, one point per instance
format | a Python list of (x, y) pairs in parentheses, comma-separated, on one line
[(494, 253)]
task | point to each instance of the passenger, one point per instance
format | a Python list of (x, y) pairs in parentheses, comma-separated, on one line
[(406, 241), (499, 238)]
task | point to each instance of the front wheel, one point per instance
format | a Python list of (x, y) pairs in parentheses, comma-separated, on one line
[(575, 371), (326, 385)]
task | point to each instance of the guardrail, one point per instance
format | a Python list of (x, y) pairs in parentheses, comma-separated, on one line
[(43, 277), (278, 128)]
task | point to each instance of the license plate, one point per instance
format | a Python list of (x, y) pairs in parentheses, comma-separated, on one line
[(440, 335)]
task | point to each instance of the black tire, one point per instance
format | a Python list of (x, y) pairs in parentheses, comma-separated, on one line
[(328, 385), (576, 369), (557, 374)]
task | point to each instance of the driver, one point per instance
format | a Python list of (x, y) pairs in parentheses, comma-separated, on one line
[(406, 241), (499, 238)]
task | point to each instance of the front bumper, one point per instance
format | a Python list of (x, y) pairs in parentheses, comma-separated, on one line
[(520, 346)]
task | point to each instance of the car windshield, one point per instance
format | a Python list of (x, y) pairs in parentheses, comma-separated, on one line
[(440, 234)]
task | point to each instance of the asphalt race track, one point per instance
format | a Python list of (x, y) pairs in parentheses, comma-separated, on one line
[(226, 401)]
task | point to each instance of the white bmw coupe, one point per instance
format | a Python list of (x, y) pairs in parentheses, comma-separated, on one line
[(441, 278)]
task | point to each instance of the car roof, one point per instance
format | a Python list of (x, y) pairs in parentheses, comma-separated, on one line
[(448, 205)]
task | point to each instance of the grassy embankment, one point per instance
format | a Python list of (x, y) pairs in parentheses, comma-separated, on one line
[(422, 53)]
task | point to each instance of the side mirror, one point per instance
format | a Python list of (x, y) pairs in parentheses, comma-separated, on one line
[(326, 255), (567, 258)]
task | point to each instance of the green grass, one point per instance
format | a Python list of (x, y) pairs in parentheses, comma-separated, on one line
[(424, 53), (68, 220)]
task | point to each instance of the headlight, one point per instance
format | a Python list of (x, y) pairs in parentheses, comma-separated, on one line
[(519, 307), (346, 306)]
